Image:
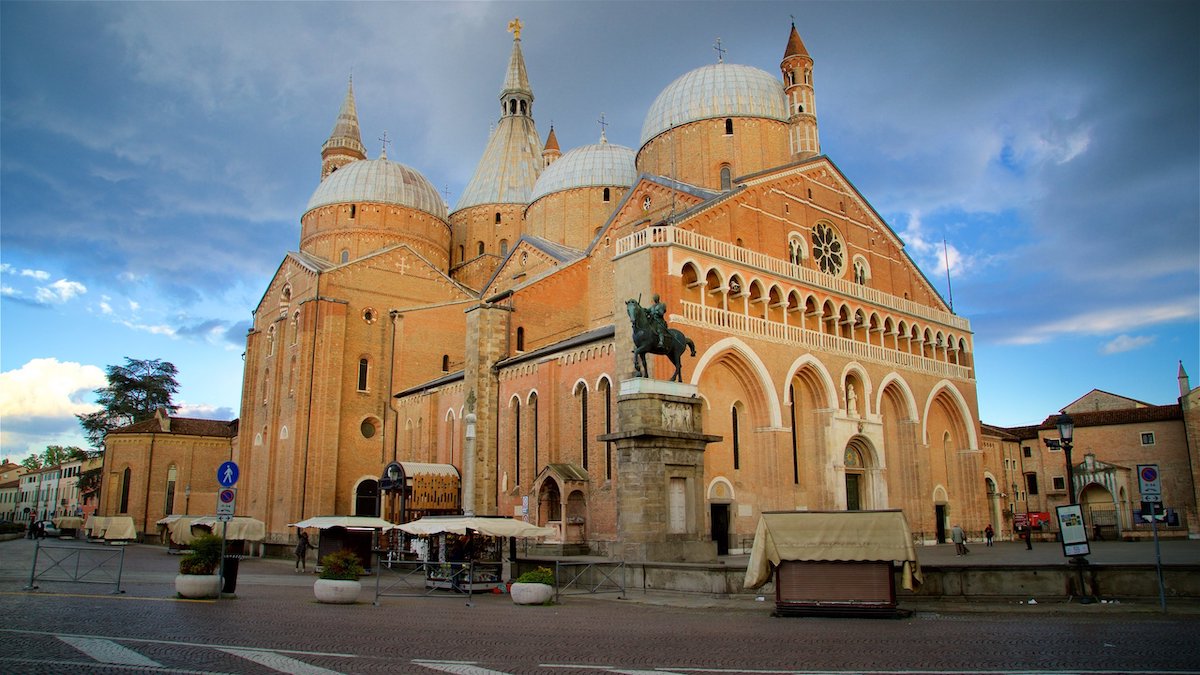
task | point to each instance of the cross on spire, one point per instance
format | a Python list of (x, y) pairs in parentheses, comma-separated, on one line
[(603, 128), (384, 139), (720, 51)]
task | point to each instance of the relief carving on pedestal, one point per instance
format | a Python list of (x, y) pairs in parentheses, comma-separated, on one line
[(676, 416)]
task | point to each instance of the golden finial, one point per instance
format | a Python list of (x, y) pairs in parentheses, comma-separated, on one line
[(514, 27)]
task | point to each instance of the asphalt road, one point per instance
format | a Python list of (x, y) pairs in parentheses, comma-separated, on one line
[(274, 625)]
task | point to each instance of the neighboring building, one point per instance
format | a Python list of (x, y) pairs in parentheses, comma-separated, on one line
[(833, 371), (163, 466), (1113, 435), (10, 489)]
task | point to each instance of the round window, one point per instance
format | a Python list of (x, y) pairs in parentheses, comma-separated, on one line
[(828, 250), (368, 315), (368, 428)]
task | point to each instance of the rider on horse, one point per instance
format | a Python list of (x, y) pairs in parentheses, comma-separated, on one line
[(658, 320)]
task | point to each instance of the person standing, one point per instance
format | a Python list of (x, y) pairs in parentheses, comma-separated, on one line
[(989, 533), (302, 547), (959, 538)]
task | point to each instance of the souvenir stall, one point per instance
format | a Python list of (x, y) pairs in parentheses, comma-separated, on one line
[(116, 530), (358, 534), (479, 540), (414, 490), (178, 531), (833, 563), (68, 526)]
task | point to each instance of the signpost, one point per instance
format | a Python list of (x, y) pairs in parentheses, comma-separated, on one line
[(1151, 489), (227, 475)]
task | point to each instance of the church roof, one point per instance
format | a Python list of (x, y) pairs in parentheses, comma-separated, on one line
[(345, 130), (516, 80), (597, 165), (552, 144), (185, 426), (717, 90), (379, 181), (795, 46)]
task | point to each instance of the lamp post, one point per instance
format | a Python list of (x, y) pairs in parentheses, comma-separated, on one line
[(1066, 437), (187, 499), (1066, 432)]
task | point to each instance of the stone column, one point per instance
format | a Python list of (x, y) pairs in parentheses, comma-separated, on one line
[(660, 471)]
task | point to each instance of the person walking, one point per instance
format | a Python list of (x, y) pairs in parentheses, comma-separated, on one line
[(302, 547), (959, 538), (988, 533)]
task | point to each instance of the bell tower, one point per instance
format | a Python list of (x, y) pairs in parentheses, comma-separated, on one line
[(797, 67), (345, 142)]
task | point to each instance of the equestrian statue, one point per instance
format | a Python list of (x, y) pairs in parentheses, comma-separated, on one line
[(651, 336)]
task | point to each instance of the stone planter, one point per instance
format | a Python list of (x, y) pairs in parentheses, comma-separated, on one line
[(531, 594), (336, 591), (197, 586)]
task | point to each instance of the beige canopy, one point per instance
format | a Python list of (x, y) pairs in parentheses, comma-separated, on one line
[(348, 522), (493, 527), (240, 528), (111, 528), (68, 522), (832, 536)]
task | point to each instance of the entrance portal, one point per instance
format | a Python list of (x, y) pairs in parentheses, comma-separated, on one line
[(853, 493), (719, 515), (940, 519)]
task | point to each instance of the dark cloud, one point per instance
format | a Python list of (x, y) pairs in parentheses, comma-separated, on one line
[(236, 335)]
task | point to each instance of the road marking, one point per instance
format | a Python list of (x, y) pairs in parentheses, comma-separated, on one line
[(107, 651), (458, 667), (279, 662)]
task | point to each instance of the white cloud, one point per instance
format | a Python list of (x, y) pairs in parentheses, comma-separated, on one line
[(1126, 343), (1109, 321), (60, 291), (153, 329), (49, 388), (40, 275)]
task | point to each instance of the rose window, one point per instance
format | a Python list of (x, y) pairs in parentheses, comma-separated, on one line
[(828, 250)]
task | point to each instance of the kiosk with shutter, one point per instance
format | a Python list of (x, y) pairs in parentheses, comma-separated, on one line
[(831, 563)]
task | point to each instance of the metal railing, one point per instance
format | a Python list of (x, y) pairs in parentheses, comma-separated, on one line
[(589, 578), (416, 578), (79, 564)]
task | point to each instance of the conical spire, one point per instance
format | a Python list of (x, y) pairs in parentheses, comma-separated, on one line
[(795, 46), (516, 80), (345, 142), (551, 151)]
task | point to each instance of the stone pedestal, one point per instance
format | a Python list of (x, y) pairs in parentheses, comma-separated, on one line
[(660, 471)]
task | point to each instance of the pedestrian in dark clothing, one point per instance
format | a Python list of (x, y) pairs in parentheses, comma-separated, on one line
[(302, 547), (988, 533)]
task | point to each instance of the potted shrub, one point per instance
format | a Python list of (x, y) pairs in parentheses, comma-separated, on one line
[(197, 576), (535, 587), (338, 581)]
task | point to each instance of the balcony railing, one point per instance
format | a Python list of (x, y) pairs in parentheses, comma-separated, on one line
[(751, 326), (673, 236)]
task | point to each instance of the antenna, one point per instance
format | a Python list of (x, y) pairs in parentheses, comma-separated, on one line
[(949, 289)]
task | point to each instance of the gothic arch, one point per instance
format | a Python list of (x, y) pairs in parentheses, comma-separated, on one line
[(755, 373), (854, 368), (811, 363), (960, 408), (713, 493), (907, 397)]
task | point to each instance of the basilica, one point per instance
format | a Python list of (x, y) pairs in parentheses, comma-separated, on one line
[(491, 341)]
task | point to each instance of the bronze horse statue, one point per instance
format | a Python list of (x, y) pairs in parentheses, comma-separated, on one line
[(645, 341)]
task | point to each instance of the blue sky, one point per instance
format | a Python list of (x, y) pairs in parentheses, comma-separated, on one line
[(155, 159)]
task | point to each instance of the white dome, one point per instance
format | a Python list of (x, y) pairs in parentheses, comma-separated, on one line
[(718, 90), (599, 165), (379, 181)]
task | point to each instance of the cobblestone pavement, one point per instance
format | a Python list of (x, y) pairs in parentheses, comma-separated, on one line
[(273, 625)]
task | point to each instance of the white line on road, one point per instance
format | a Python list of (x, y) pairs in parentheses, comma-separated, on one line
[(457, 667), (279, 662), (107, 651)]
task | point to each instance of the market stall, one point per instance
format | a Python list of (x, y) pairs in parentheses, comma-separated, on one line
[(68, 526), (357, 534), (111, 529), (833, 562), (478, 540)]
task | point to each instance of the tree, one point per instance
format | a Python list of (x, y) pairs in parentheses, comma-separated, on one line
[(32, 462), (57, 454), (135, 390)]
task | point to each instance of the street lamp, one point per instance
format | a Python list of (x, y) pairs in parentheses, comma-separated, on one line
[(1066, 432), (187, 498)]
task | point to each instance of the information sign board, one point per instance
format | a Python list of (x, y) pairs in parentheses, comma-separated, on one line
[(226, 499), (1074, 534), (1148, 482)]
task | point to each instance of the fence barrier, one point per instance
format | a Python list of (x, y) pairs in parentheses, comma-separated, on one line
[(589, 578), (77, 564), (414, 578)]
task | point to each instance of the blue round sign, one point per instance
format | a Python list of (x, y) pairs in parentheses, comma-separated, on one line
[(227, 474)]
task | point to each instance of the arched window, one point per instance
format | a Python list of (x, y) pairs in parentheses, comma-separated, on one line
[(480, 247), (726, 180), (728, 126), (126, 478), (366, 498), (266, 385), (512, 107), (353, 211), (607, 194), (737, 448), (522, 107), (296, 327), (796, 250), (583, 423), (445, 363), (607, 389), (517, 440), (520, 338), (497, 217), (345, 256), (363, 366), (503, 247), (533, 420)]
